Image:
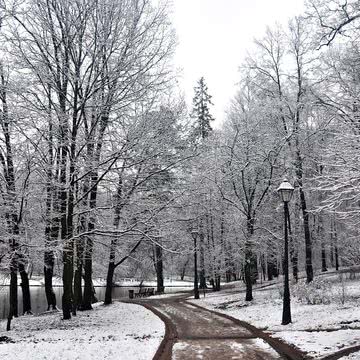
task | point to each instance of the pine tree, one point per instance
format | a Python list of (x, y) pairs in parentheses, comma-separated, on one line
[(201, 111), (201, 130)]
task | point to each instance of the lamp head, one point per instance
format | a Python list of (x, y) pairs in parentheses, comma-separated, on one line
[(194, 233), (285, 191)]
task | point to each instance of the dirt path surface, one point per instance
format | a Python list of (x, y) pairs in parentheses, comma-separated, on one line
[(196, 333)]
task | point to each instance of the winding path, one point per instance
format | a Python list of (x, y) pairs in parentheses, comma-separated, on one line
[(193, 332)]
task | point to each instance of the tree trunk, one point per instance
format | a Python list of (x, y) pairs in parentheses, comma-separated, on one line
[(88, 288), (68, 245), (25, 288), (217, 283), (308, 245), (67, 298), (202, 277), (183, 270), (109, 282), (13, 308), (270, 268), (94, 299), (336, 258), (323, 257), (336, 250), (305, 214), (94, 177), (247, 273), (79, 255), (159, 269), (228, 268), (332, 243), (249, 268), (78, 273), (48, 275), (69, 249), (113, 244), (13, 289), (293, 251), (332, 254), (51, 234), (51, 225)]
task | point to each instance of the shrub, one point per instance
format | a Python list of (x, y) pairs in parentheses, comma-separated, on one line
[(314, 293)]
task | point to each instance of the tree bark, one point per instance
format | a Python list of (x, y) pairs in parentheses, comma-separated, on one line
[(109, 281), (336, 250), (247, 273), (249, 260), (48, 276), (183, 270), (113, 244), (51, 220), (78, 273), (202, 277), (25, 287), (270, 268), (13, 289), (293, 251), (308, 245), (159, 269), (336, 258), (88, 288)]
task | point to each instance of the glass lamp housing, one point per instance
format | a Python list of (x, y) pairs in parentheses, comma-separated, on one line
[(194, 233), (285, 191)]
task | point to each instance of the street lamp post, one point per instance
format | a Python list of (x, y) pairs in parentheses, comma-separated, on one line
[(194, 234), (285, 191)]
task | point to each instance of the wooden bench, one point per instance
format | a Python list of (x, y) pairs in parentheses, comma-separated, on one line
[(151, 291), (143, 292), (140, 293)]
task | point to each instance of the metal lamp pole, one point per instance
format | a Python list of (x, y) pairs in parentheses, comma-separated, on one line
[(194, 234), (286, 190)]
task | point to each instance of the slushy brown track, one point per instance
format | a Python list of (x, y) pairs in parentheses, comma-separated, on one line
[(198, 333)]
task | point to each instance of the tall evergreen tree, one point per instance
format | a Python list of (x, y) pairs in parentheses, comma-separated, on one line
[(201, 130), (201, 111)]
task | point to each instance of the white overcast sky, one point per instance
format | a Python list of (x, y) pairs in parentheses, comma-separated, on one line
[(214, 36)]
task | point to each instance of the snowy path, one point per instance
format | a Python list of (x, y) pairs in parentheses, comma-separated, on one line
[(197, 333)]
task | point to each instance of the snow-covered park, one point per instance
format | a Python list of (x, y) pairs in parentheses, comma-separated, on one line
[(325, 320), (325, 315), (149, 147), (125, 331)]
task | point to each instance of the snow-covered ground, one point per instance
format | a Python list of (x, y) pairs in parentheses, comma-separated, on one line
[(354, 356), (317, 329), (119, 331)]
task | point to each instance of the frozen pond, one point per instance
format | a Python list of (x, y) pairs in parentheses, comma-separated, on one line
[(39, 303)]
